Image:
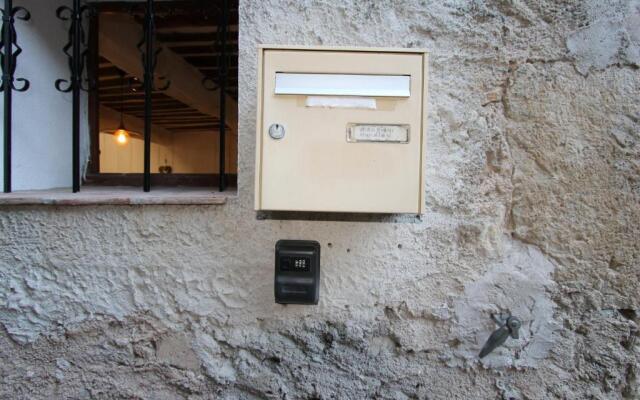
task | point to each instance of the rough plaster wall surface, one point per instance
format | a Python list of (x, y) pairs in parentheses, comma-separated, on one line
[(533, 203)]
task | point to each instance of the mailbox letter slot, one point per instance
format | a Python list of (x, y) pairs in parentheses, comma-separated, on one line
[(343, 85)]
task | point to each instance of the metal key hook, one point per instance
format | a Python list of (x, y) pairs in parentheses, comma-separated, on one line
[(509, 326)]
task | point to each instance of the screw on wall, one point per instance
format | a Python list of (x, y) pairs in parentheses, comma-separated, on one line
[(509, 326)]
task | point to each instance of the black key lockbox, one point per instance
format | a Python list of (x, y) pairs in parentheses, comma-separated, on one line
[(297, 278)]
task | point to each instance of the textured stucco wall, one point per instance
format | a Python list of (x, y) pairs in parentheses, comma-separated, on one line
[(533, 203)]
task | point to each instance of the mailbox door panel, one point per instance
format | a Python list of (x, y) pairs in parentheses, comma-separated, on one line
[(314, 166)]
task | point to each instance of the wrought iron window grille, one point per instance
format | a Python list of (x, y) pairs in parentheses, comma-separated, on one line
[(221, 85), (9, 52), (77, 51), (150, 54)]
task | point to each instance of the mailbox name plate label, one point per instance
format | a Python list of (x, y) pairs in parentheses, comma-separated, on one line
[(381, 133)]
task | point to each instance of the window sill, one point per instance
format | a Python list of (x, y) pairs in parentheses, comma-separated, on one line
[(127, 196)]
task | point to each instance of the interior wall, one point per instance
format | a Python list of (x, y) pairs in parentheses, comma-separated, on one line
[(197, 152), (129, 158), (186, 153)]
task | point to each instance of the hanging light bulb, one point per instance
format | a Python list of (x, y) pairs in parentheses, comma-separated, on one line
[(121, 134)]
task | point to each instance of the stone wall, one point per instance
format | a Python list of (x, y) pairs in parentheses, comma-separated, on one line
[(533, 203)]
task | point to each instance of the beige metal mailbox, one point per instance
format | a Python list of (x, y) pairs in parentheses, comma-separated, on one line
[(341, 129)]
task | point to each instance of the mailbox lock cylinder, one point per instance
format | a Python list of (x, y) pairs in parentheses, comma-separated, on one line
[(276, 131)]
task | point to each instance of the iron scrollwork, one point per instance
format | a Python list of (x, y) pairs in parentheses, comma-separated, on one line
[(208, 82), (77, 52), (7, 52), (148, 53), (77, 69)]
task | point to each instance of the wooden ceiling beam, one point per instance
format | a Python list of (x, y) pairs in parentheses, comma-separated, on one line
[(203, 50), (136, 94), (196, 21), (211, 61), (140, 110), (212, 129), (185, 113), (111, 82), (115, 90), (186, 80), (156, 96), (194, 121), (110, 70), (192, 37), (174, 8), (195, 118), (168, 25)]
